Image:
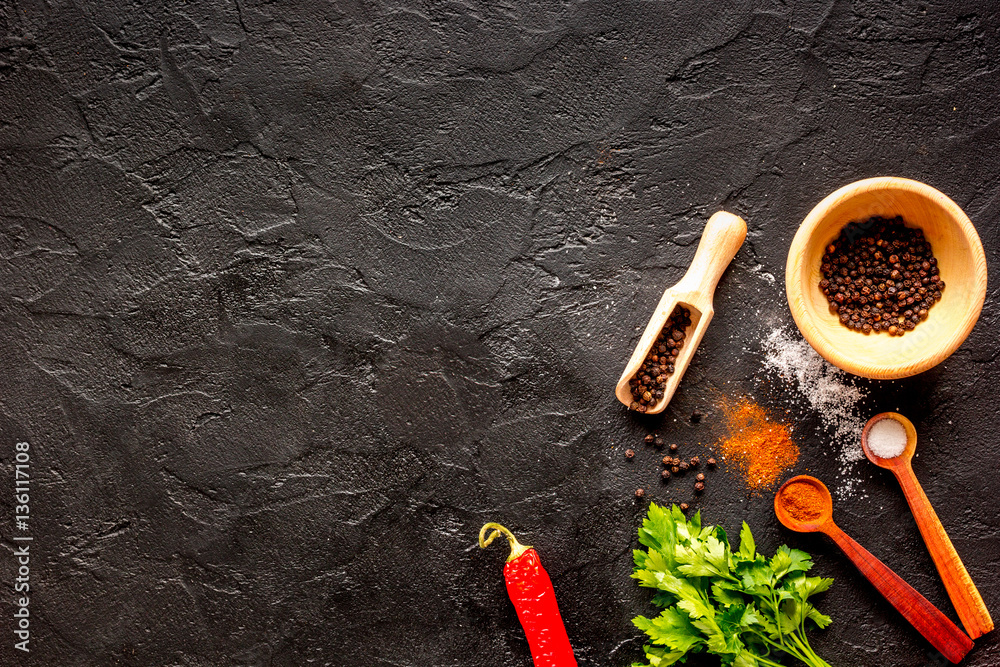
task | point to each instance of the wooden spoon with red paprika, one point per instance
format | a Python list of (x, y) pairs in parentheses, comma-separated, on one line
[(804, 505)]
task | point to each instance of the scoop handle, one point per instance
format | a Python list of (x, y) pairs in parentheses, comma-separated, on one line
[(964, 595), (928, 620), (724, 234)]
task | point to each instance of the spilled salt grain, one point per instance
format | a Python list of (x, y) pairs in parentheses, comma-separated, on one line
[(828, 391), (887, 438)]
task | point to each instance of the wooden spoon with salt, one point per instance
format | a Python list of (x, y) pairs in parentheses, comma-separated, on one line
[(817, 516), (888, 433)]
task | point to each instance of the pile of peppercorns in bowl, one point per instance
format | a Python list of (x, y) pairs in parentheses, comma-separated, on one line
[(673, 465), (647, 385), (880, 275)]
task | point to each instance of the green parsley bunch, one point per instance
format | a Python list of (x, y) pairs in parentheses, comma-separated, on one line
[(747, 609)]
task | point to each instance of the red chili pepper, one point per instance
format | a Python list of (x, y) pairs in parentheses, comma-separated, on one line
[(530, 589)]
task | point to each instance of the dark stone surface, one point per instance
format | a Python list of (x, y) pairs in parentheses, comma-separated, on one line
[(294, 298)]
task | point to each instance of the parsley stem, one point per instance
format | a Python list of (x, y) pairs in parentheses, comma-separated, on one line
[(765, 661), (809, 656), (784, 647)]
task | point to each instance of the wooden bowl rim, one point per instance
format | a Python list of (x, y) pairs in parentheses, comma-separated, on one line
[(796, 298)]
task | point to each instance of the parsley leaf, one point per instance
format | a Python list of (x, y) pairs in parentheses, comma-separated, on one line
[(747, 547)]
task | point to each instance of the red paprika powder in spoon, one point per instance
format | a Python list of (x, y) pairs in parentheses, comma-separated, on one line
[(803, 501), (530, 589)]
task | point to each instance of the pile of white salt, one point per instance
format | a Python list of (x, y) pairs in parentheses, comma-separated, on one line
[(887, 438)]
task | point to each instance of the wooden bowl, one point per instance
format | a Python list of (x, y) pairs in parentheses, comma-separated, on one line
[(961, 260)]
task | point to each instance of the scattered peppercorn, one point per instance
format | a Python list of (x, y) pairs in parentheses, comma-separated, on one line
[(629, 453), (639, 493), (695, 461), (711, 462), (673, 446), (684, 507), (649, 439), (658, 442), (648, 383), (665, 474), (683, 465), (675, 470), (880, 275), (667, 461), (700, 477), (699, 487)]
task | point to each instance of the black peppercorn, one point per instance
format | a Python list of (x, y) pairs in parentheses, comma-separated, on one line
[(667, 461), (700, 477), (871, 290), (665, 474), (629, 453), (695, 461), (675, 469), (648, 384), (699, 487), (639, 493), (684, 507), (711, 462), (649, 439), (683, 465), (658, 441), (673, 446)]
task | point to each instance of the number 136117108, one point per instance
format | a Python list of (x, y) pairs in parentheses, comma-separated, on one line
[(22, 483)]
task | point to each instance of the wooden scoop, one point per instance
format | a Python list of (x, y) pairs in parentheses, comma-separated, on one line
[(722, 238), (944, 635), (964, 595)]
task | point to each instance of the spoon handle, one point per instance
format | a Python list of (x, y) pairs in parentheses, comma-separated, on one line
[(928, 620), (964, 595), (724, 234)]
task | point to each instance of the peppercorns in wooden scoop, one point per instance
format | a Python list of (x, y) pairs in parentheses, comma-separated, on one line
[(676, 328)]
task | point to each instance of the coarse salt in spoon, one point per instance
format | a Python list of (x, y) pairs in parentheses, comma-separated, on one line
[(724, 234), (889, 441), (887, 438), (804, 505)]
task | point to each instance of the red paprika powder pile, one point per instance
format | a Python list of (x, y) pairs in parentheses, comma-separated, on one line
[(757, 447)]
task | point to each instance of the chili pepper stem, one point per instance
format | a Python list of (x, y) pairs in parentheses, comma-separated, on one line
[(516, 548)]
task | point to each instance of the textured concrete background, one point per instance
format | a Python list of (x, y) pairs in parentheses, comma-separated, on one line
[(295, 296)]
